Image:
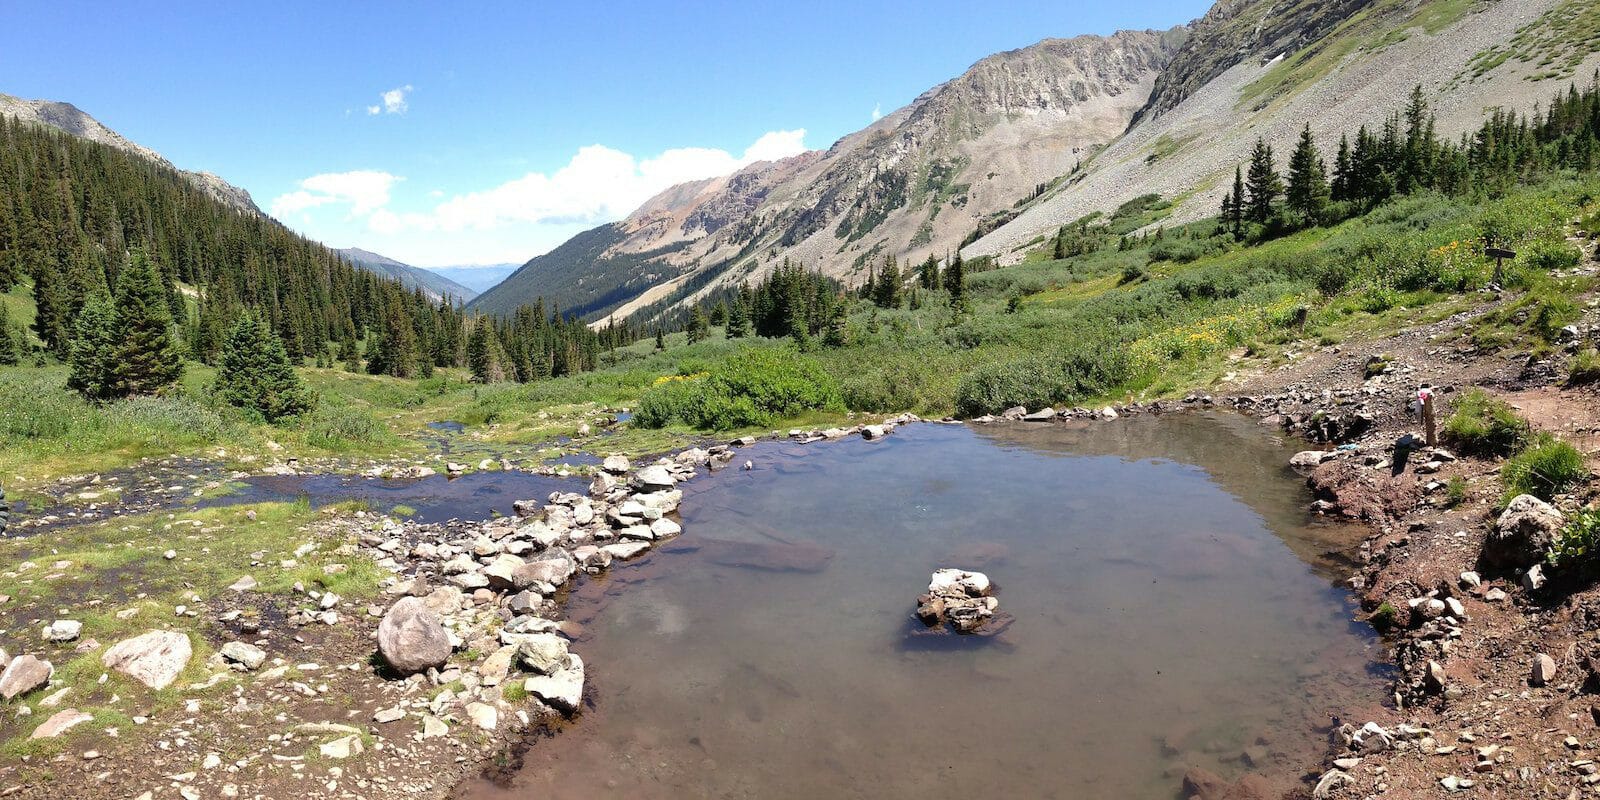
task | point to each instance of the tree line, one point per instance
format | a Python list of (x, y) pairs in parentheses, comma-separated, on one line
[(134, 269), (1406, 155)]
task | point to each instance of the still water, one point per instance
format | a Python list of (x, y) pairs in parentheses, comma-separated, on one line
[(1174, 607)]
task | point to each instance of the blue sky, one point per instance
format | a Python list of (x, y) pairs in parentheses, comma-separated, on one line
[(471, 133)]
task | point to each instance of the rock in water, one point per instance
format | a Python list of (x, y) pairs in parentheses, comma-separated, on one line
[(616, 465), (562, 688), (154, 658), (653, 478), (411, 637), (24, 674), (962, 599), (1523, 533)]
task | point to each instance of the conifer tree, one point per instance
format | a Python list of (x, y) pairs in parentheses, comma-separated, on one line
[(886, 294), (89, 355), (1308, 180), (145, 356), (955, 281), (1236, 215), (837, 333), (10, 344), (661, 339), (255, 373), (1342, 171), (738, 320), (1263, 183), (51, 314), (483, 353), (699, 325), (928, 273)]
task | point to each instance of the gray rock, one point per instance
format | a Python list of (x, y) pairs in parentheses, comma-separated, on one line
[(63, 630), (625, 550), (23, 675), (1014, 413), (562, 688), (504, 573), (653, 478), (665, 528), (411, 637), (1434, 677), (154, 658), (1533, 580), (1307, 460), (1042, 415), (1523, 533), (616, 465), (542, 652), (244, 654), (59, 723), (1544, 670), (872, 432)]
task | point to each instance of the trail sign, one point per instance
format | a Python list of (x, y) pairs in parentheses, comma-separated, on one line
[(1497, 253)]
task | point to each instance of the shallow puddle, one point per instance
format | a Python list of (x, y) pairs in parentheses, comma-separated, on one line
[(1174, 607)]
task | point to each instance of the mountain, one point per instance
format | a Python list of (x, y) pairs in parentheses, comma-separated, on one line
[(436, 287), (478, 277), (1265, 68), (72, 120), (915, 182)]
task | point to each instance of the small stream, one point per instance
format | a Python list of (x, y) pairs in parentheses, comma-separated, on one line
[(1175, 607)]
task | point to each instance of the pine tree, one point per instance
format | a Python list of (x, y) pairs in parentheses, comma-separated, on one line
[(10, 345), (1263, 184), (699, 325), (886, 294), (1308, 180), (255, 372), (483, 353), (955, 281), (1059, 250), (928, 273), (1342, 171), (145, 355), (661, 339), (350, 354), (51, 313), (1236, 215), (837, 333), (738, 320), (90, 353)]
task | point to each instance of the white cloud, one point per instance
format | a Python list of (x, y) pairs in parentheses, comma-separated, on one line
[(528, 214), (364, 191), (391, 102), (877, 112)]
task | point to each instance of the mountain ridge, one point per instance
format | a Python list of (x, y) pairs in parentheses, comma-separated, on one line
[(435, 286), (70, 119)]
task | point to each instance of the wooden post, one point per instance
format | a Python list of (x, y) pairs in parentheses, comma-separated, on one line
[(1499, 254), (1425, 399)]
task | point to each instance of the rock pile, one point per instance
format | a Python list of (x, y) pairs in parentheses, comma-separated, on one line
[(962, 600)]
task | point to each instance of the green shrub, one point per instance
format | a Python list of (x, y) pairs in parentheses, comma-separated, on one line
[(1384, 616), (1577, 545), (341, 427), (751, 388), (894, 387), (1549, 255), (1038, 381), (1585, 368), (1546, 468), (1455, 491), (1484, 425)]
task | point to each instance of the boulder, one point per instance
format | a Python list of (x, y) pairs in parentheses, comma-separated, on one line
[(483, 716), (342, 748), (1014, 413), (665, 528), (616, 465), (542, 652), (154, 658), (1544, 670), (411, 637), (504, 573), (1307, 460), (24, 674), (872, 432), (562, 688), (625, 550), (59, 723), (1042, 415), (653, 478), (63, 630), (244, 654), (1523, 533)]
